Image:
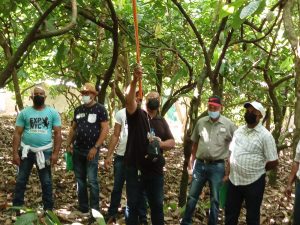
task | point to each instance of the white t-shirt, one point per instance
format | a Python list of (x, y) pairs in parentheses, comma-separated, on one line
[(297, 158), (120, 118)]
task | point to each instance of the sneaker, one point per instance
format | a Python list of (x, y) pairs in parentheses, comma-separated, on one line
[(15, 214)]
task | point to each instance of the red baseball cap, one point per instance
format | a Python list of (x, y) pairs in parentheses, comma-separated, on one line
[(214, 100)]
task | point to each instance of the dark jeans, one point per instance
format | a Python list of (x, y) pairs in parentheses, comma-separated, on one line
[(86, 173), (253, 196), (297, 204), (153, 186), (212, 173), (119, 180), (45, 179)]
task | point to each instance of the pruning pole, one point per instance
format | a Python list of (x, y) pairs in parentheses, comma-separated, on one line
[(137, 42)]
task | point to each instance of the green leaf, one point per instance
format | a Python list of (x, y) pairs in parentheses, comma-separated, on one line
[(158, 31), (236, 20), (249, 9), (27, 219), (230, 9), (98, 216), (53, 217), (180, 73), (226, 10), (287, 64), (60, 55), (261, 7)]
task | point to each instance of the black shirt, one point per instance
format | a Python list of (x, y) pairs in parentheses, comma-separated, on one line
[(88, 120), (139, 124)]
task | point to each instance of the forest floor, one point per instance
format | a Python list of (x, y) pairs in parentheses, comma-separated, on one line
[(276, 209)]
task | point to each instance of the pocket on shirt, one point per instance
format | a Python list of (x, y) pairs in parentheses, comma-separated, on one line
[(92, 118), (221, 138)]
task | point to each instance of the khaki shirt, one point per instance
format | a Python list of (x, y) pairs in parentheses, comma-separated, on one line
[(213, 138)]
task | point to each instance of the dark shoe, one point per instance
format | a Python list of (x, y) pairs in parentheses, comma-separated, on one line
[(111, 220)]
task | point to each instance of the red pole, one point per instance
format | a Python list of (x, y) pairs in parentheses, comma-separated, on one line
[(137, 42)]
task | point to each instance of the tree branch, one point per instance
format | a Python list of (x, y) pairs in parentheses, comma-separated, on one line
[(198, 36), (283, 79), (264, 36), (63, 30), (109, 72), (223, 53), (88, 15), (7, 71)]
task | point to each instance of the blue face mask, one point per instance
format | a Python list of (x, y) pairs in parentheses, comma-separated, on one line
[(214, 115)]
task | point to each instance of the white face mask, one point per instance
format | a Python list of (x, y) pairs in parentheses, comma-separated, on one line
[(86, 99), (213, 115)]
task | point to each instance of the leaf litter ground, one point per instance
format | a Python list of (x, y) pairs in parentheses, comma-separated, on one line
[(276, 209)]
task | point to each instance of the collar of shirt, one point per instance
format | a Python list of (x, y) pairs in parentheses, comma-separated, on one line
[(257, 128)]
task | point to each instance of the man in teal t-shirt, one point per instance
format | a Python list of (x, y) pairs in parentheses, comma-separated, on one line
[(32, 144)]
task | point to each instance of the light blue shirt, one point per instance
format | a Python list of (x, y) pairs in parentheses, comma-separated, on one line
[(38, 125)]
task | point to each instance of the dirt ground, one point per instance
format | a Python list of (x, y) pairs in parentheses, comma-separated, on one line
[(276, 209)]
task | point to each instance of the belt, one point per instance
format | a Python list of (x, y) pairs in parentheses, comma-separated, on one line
[(210, 161)]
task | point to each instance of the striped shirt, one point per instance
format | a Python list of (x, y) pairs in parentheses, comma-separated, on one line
[(251, 149), (213, 138), (297, 158)]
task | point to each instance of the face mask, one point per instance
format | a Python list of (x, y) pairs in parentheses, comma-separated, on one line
[(38, 100), (214, 115), (250, 118), (153, 104), (86, 99)]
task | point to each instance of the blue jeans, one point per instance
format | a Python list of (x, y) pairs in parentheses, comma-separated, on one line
[(213, 173), (153, 187), (297, 204), (119, 180), (253, 196), (44, 176), (86, 173)]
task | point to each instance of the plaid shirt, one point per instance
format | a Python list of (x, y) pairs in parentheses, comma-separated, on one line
[(297, 158), (251, 149)]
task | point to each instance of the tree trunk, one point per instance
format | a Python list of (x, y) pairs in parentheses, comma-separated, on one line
[(159, 72), (109, 72), (19, 101), (293, 37), (187, 146), (187, 142)]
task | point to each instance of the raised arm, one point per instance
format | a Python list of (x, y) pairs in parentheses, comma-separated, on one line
[(131, 104)]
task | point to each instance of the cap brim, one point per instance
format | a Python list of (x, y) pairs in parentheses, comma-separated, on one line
[(247, 104), (214, 104), (94, 92)]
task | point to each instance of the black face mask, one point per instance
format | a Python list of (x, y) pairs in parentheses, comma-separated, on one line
[(153, 104), (250, 118), (38, 100)]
